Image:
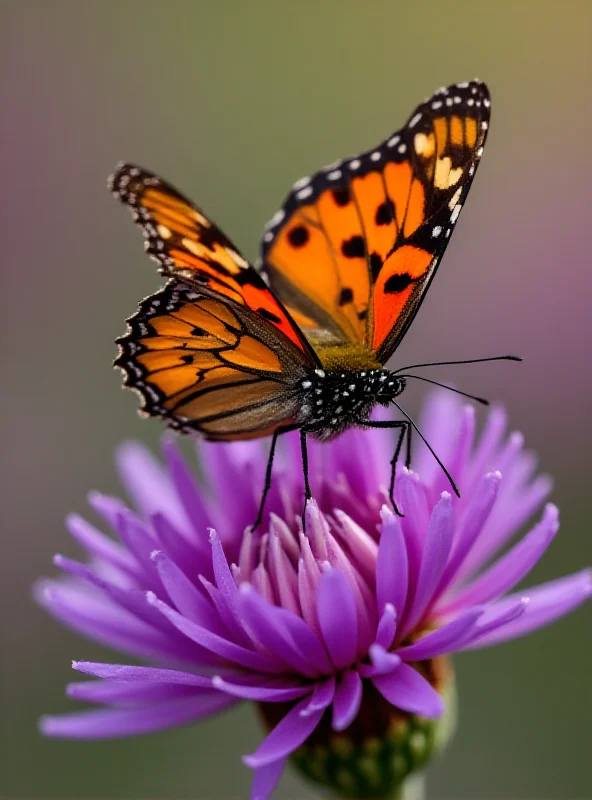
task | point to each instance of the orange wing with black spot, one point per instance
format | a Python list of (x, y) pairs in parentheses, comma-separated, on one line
[(208, 364), (189, 247), (354, 248)]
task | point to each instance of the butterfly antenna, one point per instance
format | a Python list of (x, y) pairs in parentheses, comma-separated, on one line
[(474, 397), (464, 361), (430, 448)]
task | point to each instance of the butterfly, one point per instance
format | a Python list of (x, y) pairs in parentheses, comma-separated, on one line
[(233, 352)]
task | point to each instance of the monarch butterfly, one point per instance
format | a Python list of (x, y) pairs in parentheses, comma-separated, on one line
[(233, 353)]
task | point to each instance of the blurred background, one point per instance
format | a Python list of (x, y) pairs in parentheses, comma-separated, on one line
[(232, 102)]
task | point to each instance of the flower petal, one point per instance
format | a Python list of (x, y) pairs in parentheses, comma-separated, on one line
[(494, 618), (383, 661), (262, 694), (190, 558), (114, 723), (322, 696), (131, 674), (188, 492), (546, 603), (139, 541), (266, 779), (407, 689), (184, 594), (108, 624), (412, 498), (132, 600), (391, 564), (147, 483), (513, 566), (228, 589), (336, 608), (117, 693), (101, 546), (480, 505), (433, 562), (283, 634), (446, 639), (214, 643), (347, 700), (387, 627), (288, 735)]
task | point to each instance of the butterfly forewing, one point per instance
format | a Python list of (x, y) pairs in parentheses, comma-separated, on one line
[(190, 247), (353, 250)]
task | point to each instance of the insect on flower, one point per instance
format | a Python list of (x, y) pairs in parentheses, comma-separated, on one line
[(232, 353)]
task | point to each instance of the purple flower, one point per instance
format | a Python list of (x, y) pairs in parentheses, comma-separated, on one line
[(339, 629)]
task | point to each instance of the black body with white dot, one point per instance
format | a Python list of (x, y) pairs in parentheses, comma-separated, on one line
[(331, 402)]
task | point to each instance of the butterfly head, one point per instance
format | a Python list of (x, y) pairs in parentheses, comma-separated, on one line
[(331, 401)]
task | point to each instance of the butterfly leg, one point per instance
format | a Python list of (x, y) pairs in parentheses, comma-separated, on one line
[(268, 472), (307, 492), (404, 428)]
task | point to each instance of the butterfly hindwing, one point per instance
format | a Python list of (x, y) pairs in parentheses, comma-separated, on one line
[(190, 247), (355, 246), (205, 364)]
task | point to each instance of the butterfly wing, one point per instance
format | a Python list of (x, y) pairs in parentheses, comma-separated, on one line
[(189, 247), (207, 364), (354, 248)]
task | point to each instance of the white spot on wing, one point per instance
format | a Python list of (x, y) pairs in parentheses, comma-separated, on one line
[(393, 141), (276, 219), (304, 193), (335, 175), (414, 120), (301, 183)]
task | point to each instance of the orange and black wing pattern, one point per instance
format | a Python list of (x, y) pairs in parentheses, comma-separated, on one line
[(208, 365), (190, 247), (355, 246)]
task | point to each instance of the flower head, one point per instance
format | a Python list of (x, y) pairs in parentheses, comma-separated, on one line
[(340, 632)]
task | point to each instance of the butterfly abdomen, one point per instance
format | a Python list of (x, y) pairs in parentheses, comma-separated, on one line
[(332, 401)]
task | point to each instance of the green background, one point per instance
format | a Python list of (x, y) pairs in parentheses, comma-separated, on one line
[(232, 101)]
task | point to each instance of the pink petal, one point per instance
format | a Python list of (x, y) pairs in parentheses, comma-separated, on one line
[(407, 689), (114, 723), (547, 602), (435, 556), (286, 737), (336, 608), (391, 565), (266, 779), (347, 700)]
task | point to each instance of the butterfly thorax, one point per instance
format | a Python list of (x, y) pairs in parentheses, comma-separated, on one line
[(331, 402)]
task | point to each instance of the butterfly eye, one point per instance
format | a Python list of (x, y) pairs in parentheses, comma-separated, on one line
[(390, 386)]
